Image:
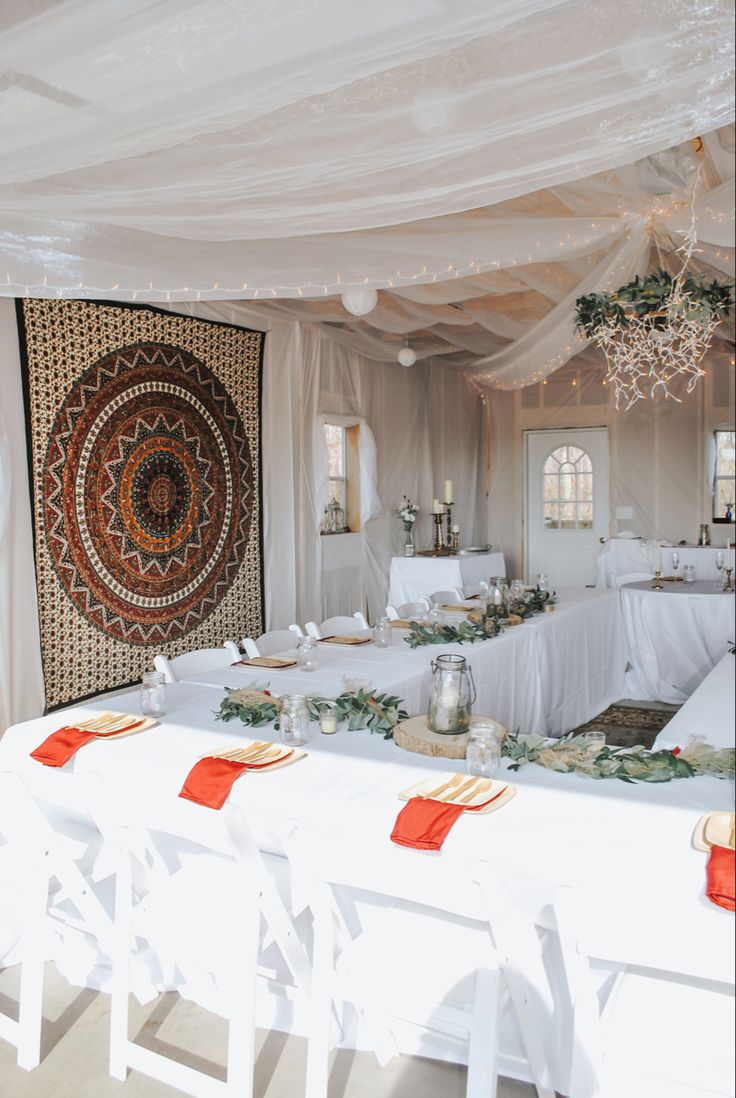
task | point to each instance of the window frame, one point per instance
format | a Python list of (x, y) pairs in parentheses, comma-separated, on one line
[(722, 477), (559, 501)]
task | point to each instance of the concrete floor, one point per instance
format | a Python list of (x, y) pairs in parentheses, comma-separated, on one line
[(75, 1044)]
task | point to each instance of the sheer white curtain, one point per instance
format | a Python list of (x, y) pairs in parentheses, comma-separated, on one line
[(21, 677)]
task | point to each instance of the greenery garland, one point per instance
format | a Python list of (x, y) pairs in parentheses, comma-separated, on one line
[(650, 297), (482, 624), (257, 706), (571, 753)]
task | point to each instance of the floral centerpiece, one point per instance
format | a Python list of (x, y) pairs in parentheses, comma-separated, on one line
[(407, 512), (360, 707)]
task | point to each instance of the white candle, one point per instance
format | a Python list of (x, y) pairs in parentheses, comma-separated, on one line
[(456, 529), (436, 507), (448, 492), (658, 558)]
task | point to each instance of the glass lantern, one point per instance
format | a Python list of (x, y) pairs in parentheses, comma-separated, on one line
[(334, 519)]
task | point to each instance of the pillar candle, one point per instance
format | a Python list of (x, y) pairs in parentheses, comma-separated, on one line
[(448, 491), (436, 508), (658, 558)]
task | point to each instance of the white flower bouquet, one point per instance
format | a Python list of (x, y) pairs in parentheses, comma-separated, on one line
[(407, 512)]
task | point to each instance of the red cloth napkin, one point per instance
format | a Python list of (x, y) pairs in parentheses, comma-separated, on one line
[(210, 780), (720, 877), (425, 824), (62, 745)]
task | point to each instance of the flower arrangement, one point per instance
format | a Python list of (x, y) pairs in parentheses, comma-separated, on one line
[(407, 512), (482, 624), (360, 707)]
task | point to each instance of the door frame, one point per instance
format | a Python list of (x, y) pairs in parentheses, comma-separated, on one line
[(528, 432)]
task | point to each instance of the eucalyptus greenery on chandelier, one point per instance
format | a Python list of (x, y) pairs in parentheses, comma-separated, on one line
[(654, 330)]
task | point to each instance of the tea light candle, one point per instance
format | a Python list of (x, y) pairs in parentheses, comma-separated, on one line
[(436, 507), (328, 720), (448, 492)]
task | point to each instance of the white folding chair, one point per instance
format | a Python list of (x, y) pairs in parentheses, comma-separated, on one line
[(421, 953), (409, 609), (276, 640), (631, 577), (207, 920), (337, 625), (650, 974), (191, 663), (453, 595), (469, 590)]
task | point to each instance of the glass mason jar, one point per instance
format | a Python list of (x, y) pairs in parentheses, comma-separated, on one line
[(483, 753), (153, 694), (409, 546), (294, 720), (451, 695), (688, 573), (382, 633), (495, 591), (308, 654)]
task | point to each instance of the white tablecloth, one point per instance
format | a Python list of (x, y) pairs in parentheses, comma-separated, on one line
[(709, 712), (553, 832), (549, 675), (412, 577), (674, 636)]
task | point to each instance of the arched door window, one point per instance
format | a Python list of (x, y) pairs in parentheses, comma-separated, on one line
[(567, 479)]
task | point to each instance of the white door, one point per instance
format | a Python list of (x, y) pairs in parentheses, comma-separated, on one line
[(566, 504)]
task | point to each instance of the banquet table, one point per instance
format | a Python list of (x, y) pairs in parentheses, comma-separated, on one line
[(675, 636), (622, 555), (548, 675), (412, 577), (709, 712), (551, 833)]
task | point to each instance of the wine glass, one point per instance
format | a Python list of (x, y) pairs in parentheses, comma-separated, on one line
[(719, 565), (675, 561)]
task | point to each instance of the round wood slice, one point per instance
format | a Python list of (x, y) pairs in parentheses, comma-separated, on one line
[(413, 735)]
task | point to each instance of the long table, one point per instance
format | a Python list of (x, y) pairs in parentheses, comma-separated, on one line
[(560, 829), (548, 675), (708, 713)]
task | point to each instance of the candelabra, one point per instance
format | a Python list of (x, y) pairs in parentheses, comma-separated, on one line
[(657, 585), (438, 530), (448, 521)]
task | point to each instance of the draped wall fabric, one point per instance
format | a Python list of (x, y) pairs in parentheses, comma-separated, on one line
[(145, 141)]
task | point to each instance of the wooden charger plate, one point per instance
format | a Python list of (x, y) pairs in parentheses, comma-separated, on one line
[(288, 756), (349, 639), (274, 663), (714, 829), (497, 799)]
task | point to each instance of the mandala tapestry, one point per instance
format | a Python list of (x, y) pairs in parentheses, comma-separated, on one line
[(144, 432)]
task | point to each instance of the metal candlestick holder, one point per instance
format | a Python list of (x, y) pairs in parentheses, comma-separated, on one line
[(447, 504), (438, 530), (657, 585), (729, 585)]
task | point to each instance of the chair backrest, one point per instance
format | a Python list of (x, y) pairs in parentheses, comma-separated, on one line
[(471, 589), (684, 968), (453, 595), (630, 577), (203, 659), (276, 640), (409, 609), (341, 624)]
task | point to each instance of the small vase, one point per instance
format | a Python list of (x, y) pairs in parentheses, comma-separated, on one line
[(409, 547)]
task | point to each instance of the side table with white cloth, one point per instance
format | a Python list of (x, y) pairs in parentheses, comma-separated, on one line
[(675, 636), (621, 555), (412, 577), (709, 712)]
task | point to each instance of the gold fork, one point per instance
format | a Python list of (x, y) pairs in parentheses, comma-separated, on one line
[(452, 784), (456, 794), (483, 786)]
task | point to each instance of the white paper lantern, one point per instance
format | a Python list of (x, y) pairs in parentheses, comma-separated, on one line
[(359, 302), (407, 357)]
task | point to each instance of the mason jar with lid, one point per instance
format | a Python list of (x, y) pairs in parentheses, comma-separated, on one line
[(294, 720), (153, 694)]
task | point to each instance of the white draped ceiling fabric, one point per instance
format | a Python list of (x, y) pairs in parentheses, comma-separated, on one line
[(480, 163)]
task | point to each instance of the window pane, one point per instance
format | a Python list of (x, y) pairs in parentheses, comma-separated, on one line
[(585, 465), (551, 465), (336, 490), (335, 443), (585, 515), (551, 516), (725, 454), (567, 515), (585, 486), (724, 495)]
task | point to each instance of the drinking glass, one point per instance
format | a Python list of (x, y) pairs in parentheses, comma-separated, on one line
[(294, 720), (153, 694), (308, 654), (719, 566), (688, 573), (542, 581), (675, 561), (434, 617), (483, 752), (517, 589), (382, 633)]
